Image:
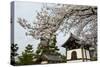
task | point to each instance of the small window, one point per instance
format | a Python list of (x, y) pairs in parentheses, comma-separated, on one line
[(74, 55)]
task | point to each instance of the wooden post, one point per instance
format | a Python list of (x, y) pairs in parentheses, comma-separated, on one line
[(82, 53), (66, 54), (85, 55)]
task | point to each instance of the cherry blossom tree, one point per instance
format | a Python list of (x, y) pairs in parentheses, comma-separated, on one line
[(79, 19)]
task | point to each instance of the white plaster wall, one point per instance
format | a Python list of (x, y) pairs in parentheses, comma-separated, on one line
[(74, 61), (79, 53), (88, 54), (44, 62)]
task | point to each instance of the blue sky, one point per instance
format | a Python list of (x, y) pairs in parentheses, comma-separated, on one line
[(28, 10)]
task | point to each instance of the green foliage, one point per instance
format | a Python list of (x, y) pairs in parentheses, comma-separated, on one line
[(27, 56), (63, 57), (93, 58), (14, 49), (50, 48), (52, 44)]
